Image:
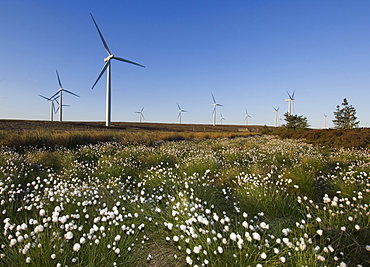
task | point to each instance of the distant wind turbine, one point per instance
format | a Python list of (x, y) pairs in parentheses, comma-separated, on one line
[(180, 112), (60, 92), (246, 117), (221, 119), (52, 106), (107, 68), (215, 105), (277, 121), (141, 114), (290, 102), (325, 116)]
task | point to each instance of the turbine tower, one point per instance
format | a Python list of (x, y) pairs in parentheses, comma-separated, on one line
[(141, 114), (290, 102), (180, 111), (60, 92), (277, 120), (215, 105), (107, 67), (52, 106), (325, 116), (221, 119), (246, 117)]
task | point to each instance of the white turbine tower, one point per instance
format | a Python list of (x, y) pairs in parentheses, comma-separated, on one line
[(141, 114), (221, 119), (180, 111), (107, 68), (325, 116), (290, 102), (60, 92), (277, 120), (52, 106), (246, 117), (215, 105)]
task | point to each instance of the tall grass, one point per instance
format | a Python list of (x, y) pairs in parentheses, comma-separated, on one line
[(211, 202)]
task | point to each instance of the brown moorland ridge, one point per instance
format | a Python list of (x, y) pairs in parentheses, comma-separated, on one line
[(23, 133), (20, 125)]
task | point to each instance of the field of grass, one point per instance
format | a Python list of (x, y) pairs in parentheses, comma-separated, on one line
[(20, 134), (245, 201)]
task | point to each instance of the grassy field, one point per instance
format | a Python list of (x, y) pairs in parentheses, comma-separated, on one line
[(242, 201), (18, 133)]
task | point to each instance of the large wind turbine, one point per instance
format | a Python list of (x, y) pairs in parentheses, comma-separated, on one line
[(141, 114), (180, 111), (277, 120), (215, 105), (52, 106), (246, 117), (221, 119), (325, 116), (107, 68), (290, 102), (60, 92)]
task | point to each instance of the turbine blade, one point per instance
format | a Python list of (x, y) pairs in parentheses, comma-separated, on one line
[(290, 97), (142, 109), (179, 115), (48, 99), (128, 61), (101, 35), (60, 84), (70, 92), (184, 110), (55, 95), (178, 106), (214, 100), (293, 94), (219, 105), (101, 73)]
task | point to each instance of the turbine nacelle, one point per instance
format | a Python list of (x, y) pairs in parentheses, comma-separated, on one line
[(108, 58)]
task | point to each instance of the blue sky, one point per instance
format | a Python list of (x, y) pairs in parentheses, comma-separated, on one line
[(247, 53)]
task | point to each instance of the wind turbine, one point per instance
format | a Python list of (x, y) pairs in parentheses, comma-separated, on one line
[(277, 121), (141, 114), (60, 92), (107, 68), (290, 102), (52, 106), (325, 116), (215, 105), (246, 117), (221, 119), (180, 111)]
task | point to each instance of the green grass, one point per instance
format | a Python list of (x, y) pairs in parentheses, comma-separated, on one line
[(212, 202)]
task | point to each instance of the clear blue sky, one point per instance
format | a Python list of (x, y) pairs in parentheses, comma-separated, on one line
[(247, 53)]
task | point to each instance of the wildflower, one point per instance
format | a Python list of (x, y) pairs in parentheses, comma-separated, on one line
[(282, 259), (233, 236), (197, 249), (189, 260), (175, 238), (76, 247), (68, 235), (319, 232), (220, 250), (53, 256), (256, 236), (28, 260), (263, 255), (367, 247)]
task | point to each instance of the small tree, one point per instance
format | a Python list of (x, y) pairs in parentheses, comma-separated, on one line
[(295, 121), (345, 117)]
